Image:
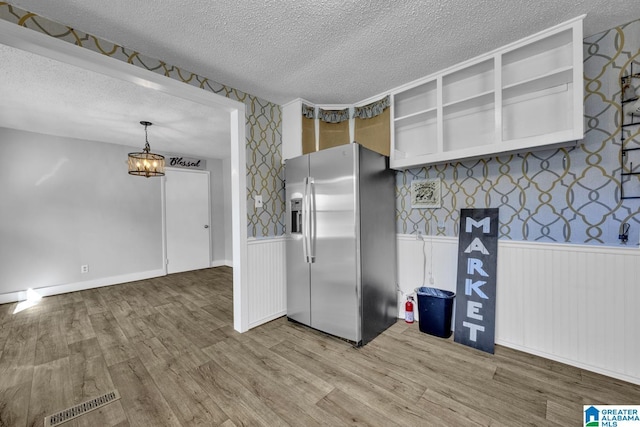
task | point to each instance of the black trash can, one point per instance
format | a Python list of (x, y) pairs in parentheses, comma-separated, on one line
[(435, 307)]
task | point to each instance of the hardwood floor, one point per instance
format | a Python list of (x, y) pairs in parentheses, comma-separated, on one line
[(168, 346)]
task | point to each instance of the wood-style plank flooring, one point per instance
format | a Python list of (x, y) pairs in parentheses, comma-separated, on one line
[(168, 346)]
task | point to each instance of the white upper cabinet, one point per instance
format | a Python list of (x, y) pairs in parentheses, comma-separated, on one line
[(414, 118), (524, 96), (291, 130)]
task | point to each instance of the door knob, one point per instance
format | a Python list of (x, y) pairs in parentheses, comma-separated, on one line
[(206, 226)]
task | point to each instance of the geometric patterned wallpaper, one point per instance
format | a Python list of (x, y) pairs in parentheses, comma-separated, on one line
[(567, 195), (262, 120), (265, 172)]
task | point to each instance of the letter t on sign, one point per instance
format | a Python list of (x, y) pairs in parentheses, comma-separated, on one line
[(473, 330)]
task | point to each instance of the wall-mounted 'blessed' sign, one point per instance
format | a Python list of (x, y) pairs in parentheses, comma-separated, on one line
[(186, 162)]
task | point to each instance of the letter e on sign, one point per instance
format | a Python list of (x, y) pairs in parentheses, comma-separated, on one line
[(473, 309)]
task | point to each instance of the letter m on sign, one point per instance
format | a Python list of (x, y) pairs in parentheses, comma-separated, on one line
[(476, 281), (484, 223)]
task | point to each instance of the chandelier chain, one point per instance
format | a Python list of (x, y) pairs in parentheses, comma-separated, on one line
[(147, 147)]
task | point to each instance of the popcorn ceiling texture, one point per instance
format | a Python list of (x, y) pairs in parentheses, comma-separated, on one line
[(75, 102), (329, 51)]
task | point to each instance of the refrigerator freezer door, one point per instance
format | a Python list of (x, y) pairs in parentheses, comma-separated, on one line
[(377, 245), (298, 291), (335, 306)]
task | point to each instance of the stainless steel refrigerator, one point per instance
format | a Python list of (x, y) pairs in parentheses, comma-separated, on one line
[(341, 242)]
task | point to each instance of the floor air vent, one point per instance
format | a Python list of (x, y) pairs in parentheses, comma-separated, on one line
[(80, 409)]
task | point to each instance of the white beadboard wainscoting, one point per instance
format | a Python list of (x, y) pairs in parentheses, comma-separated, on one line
[(266, 277), (576, 304)]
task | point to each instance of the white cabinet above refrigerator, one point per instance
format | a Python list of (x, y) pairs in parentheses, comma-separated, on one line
[(524, 96)]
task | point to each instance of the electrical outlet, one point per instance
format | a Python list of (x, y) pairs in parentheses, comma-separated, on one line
[(258, 201), (84, 269)]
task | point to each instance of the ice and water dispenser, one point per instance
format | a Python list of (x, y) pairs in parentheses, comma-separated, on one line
[(296, 215)]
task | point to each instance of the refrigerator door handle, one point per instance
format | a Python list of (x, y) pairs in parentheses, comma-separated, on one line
[(305, 220), (312, 221), (308, 217)]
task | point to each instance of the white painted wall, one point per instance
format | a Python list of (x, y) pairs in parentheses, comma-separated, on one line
[(219, 226), (226, 176), (67, 203)]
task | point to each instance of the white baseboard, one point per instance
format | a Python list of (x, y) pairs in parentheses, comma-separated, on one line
[(267, 319), (81, 286), (577, 364), (266, 240), (222, 263)]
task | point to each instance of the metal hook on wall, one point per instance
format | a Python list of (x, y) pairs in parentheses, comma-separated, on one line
[(624, 232), (564, 157)]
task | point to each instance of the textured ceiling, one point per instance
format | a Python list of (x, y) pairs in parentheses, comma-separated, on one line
[(331, 51), (50, 97)]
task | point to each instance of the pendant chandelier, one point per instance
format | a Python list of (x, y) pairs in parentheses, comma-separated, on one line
[(146, 163)]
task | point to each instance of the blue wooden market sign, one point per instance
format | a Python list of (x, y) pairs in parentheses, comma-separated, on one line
[(476, 282)]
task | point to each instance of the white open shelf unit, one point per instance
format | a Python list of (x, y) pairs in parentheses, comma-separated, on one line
[(523, 96)]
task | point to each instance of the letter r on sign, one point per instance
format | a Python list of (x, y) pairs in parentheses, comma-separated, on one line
[(475, 265)]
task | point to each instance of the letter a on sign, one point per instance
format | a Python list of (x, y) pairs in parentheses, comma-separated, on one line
[(478, 246), (476, 282)]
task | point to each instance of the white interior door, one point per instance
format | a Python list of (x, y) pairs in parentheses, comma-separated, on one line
[(187, 220)]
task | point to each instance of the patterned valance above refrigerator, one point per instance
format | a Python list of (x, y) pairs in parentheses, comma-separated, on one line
[(333, 116), (308, 111), (372, 110)]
